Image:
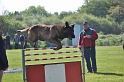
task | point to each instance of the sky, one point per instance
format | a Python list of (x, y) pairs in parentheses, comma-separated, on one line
[(50, 5)]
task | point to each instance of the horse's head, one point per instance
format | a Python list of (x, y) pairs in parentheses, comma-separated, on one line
[(69, 31)]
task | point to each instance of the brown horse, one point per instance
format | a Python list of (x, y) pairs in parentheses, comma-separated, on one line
[(51, 33)]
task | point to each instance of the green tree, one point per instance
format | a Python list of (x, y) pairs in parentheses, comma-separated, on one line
[(64, 14), (95, 7), (41, 11), (52, 20), (117, 10)]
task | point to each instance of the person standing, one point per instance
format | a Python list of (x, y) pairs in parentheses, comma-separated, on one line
[(86, 43), (8, 46), (21, 39), (3, 57), (16, 41), (123, 46), (4, 39)]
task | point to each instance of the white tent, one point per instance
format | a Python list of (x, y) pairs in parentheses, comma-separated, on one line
[(77, 29)]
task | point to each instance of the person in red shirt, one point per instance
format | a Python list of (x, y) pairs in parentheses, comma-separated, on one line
[(3, 58), (86, 44)]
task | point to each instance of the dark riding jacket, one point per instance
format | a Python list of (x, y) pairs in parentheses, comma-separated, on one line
[(3, 58), (87, 42)]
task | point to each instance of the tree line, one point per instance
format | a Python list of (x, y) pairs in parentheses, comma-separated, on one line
[(105, 16)]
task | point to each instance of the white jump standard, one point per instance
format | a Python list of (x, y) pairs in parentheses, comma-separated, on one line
[(53, 72)]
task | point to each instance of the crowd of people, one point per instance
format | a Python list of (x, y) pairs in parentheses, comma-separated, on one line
[(16, 40)]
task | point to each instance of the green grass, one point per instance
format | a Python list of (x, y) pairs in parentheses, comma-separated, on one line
[(110, 64)]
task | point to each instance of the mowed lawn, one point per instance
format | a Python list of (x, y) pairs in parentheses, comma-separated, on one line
[(110, 63)]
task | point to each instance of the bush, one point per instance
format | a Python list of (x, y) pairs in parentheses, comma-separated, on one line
[(110, 40)]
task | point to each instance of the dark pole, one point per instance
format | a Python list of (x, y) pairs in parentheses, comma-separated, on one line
[(119, 16)]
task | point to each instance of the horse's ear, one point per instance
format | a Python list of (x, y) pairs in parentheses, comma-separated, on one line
[(72, 25), (66, 24)]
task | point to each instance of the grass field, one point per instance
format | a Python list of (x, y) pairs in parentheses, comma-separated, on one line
[(110, 64)]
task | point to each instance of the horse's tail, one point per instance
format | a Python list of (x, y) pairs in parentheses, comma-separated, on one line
[(24, 31)]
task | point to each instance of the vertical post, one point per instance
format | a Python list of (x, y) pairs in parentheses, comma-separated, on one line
[(83, 63), (23, 63), (119, 16)]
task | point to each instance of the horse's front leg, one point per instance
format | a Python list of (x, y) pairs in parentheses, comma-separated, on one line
[(57, 43)]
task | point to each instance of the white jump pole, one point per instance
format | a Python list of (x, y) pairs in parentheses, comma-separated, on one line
[(83, 63), (23, 64)]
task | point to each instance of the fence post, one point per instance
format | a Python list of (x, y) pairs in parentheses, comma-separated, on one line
[(83, 63), (23, 64)]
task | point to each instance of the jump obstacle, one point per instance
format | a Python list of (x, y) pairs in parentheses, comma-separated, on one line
[(53, 72)]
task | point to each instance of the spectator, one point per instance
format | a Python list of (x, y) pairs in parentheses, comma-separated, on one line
[(3, 58), (21, 39), (8, 42), (4, 39), (16, 41), (87, 45)]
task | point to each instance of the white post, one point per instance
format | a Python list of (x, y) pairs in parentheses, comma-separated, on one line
[(83, 63), (23, 63)]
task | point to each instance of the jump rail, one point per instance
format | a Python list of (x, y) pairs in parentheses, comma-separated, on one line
[(27, 49), (45, 53), (53, 58)]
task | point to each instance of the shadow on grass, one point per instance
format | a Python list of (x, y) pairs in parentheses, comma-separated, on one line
[(110, 74)]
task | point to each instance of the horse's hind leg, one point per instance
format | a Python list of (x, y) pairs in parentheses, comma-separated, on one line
[(30, 38), (26, 42), (35, 44)]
